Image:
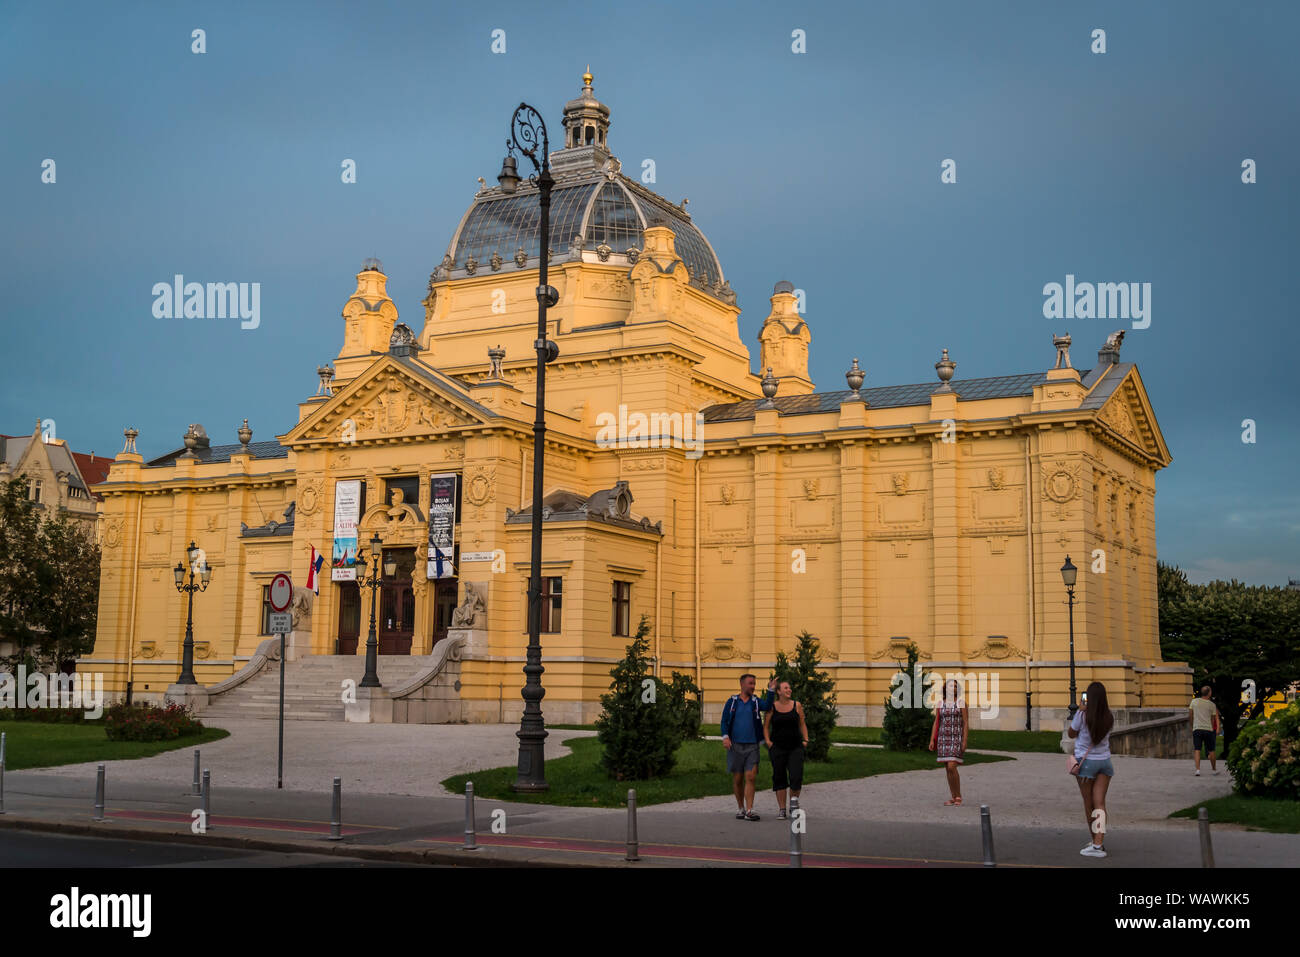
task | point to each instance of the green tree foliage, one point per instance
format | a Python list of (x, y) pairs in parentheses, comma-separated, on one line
[(813, 689), (49, 581), (907, 722), (1265, 758), (19, 556), (68, 588), (1231, 634), (684, 700), (639, 729)]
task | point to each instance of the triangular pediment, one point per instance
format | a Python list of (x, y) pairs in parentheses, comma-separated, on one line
[(1128, 415), (392, 399)]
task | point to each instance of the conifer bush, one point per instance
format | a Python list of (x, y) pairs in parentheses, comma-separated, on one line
[(639, 728), (813, 689), (907, 722)]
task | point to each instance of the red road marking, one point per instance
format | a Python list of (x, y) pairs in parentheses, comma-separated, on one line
[(672, 851), (265, 823)]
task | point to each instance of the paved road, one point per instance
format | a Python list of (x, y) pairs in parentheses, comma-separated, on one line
[(43, 849)]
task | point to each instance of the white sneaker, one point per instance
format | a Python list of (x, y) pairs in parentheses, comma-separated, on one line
[(1198, 772), (1092, 850), (1085, 847)]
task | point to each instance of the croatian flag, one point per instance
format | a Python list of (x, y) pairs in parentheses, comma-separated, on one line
[(313, 570)]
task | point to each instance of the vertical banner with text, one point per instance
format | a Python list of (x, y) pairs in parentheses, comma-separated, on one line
[(442, 525), (347, 512)]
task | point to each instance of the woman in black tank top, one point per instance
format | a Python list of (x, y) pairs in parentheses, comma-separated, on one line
[(787, 735)]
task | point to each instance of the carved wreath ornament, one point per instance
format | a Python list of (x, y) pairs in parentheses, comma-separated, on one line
[(1060, 485)]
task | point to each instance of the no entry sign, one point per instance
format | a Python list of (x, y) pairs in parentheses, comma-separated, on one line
[(281, 592)]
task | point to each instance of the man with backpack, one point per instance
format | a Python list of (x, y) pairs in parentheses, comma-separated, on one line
[(742, 729)]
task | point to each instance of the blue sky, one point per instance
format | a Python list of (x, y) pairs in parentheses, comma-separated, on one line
[(821, 168)]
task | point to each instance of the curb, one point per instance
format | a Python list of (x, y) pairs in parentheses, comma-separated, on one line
[(448, 856)]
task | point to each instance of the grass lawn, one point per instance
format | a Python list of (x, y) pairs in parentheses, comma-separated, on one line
[(34, 744), (1256, 813), (1044, 742), (578, 780)]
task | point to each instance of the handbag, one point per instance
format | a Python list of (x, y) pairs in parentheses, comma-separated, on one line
[(1073, 765)]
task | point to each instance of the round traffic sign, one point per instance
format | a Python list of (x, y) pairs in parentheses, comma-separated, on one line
[(281, 592)]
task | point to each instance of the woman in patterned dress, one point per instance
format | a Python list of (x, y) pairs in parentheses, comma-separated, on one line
[(948, 736)]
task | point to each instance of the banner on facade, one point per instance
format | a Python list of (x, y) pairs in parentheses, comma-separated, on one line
[(347, 512), (442, 525)]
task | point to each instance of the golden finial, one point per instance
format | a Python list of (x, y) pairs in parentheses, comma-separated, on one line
[(587, 77)]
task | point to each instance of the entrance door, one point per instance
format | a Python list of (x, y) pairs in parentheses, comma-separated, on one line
[(396, 624), (349, 617), (444, 603)]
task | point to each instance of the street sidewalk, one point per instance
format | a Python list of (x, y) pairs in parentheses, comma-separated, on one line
[(885, 820)]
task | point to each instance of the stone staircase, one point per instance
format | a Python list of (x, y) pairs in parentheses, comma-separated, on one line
[(313, 687)]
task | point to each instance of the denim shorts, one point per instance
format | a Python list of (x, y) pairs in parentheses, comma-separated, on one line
[(1091, 767)]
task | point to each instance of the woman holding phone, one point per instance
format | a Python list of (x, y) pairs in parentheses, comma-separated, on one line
[(1090, 730)]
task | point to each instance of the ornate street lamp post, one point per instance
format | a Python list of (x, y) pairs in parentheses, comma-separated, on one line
[(1069, 573), (205, 576), (371, 679), (528, 136)]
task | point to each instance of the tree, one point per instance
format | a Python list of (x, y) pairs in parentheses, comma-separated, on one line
[(639, 729), (19, 556), (68, 588), (813, 689), (49, 581), (684, 699), (1235, 636), (907, 722)]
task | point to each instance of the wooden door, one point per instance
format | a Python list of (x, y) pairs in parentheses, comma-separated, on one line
[(349, 618), (444, 603), (396, 624)]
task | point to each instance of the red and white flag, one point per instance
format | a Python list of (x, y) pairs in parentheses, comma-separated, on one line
[(313, 570)]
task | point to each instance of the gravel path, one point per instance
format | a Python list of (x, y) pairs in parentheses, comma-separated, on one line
[(1032, 790)]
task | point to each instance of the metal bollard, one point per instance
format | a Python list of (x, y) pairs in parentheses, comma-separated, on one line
[(196, 771), (471, 843), (336, 812), (633, 845), (3, 735), (205, 799), (796, 839), (99, 793), (986, 829), (1207, 849)]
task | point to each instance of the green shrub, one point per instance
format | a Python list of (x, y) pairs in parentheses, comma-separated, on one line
[(149, 722), (1265, 756), (45, 715), (639, 730), (684, 699), (813, 689), (907, 722)]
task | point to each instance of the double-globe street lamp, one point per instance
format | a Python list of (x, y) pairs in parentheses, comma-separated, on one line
[(528, 136), (371, 678), (204, 572), (1069, 574)]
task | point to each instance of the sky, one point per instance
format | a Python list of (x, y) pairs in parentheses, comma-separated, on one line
[(822, 167)]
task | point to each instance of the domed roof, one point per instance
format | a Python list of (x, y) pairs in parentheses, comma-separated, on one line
[(597, 214)]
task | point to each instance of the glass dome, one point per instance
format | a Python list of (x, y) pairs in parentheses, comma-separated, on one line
[(600, 217)]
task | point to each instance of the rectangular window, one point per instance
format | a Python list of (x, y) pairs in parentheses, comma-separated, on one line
[(552, 599), (34, 489), (622, 608), (266, 609)]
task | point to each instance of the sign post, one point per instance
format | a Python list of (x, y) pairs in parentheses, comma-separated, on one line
[(280, 594)]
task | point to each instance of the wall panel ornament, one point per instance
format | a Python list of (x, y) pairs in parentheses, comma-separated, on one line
[(1061, 481)]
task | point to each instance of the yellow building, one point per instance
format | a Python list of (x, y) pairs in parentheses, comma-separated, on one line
[(732, 509)]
